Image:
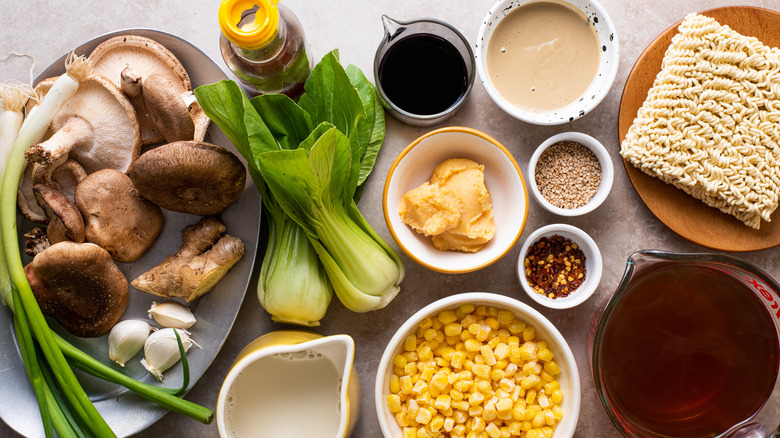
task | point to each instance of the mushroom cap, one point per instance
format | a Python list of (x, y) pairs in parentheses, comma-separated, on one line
[(116, 139), (26, 200), (145, 56), (80, 286), (117, 218), (65, 221), (167, 109), (189, 177)]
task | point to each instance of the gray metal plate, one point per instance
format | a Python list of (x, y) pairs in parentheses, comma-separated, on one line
[(216, 311)]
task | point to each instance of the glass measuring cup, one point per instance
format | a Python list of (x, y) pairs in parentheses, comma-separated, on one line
[(422, 61), (689, 318)]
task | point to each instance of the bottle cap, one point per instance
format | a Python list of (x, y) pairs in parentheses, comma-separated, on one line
[(254, 34)]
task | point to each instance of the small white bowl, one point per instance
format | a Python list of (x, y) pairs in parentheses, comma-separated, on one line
[(605, 162), (545, 330), (593, 95), (504, 181), (593, 265)]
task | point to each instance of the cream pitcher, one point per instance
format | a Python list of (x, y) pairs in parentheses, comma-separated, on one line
[(291, 383)]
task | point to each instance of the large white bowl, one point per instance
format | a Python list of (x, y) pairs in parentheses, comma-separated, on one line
[(593, 265), (593, 95), (504, 181), (545, 330), (605, 162)]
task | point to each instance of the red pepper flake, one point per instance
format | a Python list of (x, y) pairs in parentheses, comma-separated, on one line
[(554, 266)]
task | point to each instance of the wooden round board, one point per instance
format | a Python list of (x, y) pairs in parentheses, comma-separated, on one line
[(685, 215)]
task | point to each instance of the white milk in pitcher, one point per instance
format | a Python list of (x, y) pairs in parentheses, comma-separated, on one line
[(287, 395)]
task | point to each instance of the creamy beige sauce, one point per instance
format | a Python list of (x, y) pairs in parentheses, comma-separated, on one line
[(543, 55), (293, 396)]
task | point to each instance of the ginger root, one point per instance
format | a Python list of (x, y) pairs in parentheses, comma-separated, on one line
[(197, 266)]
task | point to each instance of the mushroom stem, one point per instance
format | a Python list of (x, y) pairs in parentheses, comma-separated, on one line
[(131, 84), (76, 132)]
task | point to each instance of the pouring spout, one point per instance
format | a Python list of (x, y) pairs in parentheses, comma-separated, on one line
[(392, 27)]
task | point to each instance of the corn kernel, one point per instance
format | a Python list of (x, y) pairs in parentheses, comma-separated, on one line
[(424, 416), (402, 418), (424, 398), (462, 405), (460, 417), (557, 396), (458, 430), (399, 361), (549, 417), (528, 351), (507, 384), (442, 402), (484, 387), (481, 370), (552, 368), (423, 433), (544, 354), (446, 317), (475, 410), (501, 351), (514, 428), (516, 327), (453, 329), (476, 398), (544, 402), (530, 396), (487, 353), (395, 384), (483, 333), (478, 425), (557, 412), (406, 384), (424, 352), (538, 420), (429, 334), (529, 333), (410, 432), (504, 405), (493, 431), (526, 426), (472, 345), (394, 403), (548, 432), (489, 412), (497, 375), (457, 359), (449, 424), (532, 368), (439, 381), (410, 368), (518, 412), (436, 423)]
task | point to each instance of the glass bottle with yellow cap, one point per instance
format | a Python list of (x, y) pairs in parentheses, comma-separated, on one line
[(263, 44)]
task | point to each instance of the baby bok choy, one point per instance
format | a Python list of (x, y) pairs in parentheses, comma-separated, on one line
[(362, 268)]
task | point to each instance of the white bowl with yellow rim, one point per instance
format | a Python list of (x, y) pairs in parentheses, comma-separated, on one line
[(568, 378), (504, 181)]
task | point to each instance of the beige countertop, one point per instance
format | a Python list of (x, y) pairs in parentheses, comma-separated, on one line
[(46, 29)]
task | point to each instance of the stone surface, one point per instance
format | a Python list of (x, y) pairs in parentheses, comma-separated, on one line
[(47, 29)]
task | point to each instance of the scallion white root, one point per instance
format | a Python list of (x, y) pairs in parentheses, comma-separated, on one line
[(13, 96)]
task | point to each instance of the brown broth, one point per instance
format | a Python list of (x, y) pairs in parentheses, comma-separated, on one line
[(688, 352)]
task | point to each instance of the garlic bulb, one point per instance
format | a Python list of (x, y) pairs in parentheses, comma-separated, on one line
[(126, 339), (161, 351), (172, 315)]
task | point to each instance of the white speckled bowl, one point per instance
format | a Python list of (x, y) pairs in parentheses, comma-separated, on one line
[(569, 378), (504, 181), (592, 96), (593, 265), (605, 162)]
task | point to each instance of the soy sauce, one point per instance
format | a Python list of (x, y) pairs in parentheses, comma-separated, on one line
[(688, 351), (423, 74)]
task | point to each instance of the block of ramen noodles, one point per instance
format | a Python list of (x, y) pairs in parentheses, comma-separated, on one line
[(710, 123)]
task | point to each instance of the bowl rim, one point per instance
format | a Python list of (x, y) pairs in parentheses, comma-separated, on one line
[(488, 298), (547, 118), (406, 151), (582, 293), (607, 173)]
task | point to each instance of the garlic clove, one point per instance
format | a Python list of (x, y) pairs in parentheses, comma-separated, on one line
[(161, 351), (126, 339), (172, 315)]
